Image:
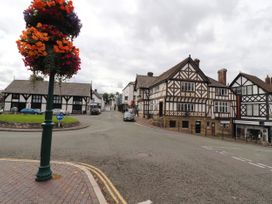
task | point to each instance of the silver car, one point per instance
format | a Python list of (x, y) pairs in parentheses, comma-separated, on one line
[(128, 116)]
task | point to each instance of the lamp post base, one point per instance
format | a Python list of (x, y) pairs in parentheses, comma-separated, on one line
[(44, 173)]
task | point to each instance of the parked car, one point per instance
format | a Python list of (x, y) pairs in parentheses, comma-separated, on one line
[(30, 111), (128, 116), (95, 111), (57, 111)]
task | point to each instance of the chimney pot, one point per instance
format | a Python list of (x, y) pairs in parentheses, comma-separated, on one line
[(267, 80), (150, 74), (197, 61), (222, 76)]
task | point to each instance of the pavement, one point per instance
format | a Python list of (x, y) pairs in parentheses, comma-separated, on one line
[(148, 123), (71, 183)]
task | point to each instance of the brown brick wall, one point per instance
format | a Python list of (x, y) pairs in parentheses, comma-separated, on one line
[(214, 128)]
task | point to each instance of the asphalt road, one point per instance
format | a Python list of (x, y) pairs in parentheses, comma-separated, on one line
[(158, 165)]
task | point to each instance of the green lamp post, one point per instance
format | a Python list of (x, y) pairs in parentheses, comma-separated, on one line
[(47, 47), (45, 172)]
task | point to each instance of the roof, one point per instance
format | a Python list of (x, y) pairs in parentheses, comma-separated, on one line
[(170, 72), (97, 95), (215, 83), (130, 83), (144, 81), (41, 87), (266, 87)]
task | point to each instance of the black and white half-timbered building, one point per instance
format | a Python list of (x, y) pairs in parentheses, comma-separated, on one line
[(254, 107), (186, 99), (71, 97), (141, 87)]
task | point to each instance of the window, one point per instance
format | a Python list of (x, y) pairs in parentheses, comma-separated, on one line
[(77, 99), (249, 90), (243, 90), (126, 98), (36, 99), (220, 107), (249, 109), (256, 109), (185, 124), (185, 107), (57, 99), (15, 96), (172, 123), (187, 86), (221, 92)]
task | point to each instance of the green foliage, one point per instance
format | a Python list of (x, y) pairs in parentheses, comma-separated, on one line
[(107, 97), (27, 118)]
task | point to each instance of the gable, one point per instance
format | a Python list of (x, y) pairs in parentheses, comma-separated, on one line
[(242, 81), (189, 73)]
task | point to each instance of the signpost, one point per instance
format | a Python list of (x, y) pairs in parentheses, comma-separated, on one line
[(60, 117)]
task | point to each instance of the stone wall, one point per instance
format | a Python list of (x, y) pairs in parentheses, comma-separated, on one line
[(33, 125)]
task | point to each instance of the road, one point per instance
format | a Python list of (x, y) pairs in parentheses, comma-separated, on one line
[(158, 165)]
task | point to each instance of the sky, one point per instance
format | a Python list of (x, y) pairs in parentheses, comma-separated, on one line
[(122, 38)]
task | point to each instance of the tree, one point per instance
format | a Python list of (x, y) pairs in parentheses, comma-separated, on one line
[(47, 48), (106, 98), (34, 77)]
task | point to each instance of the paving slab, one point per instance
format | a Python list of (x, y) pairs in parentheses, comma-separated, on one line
[(70, 184)]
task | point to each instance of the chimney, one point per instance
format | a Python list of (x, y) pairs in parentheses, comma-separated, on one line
[(150, 74), (267, 80), (222, 76), (197, 61)]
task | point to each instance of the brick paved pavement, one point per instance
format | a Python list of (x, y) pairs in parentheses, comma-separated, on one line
[(70, 185)]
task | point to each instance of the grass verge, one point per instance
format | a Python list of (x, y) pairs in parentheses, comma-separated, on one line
[(28, 118)]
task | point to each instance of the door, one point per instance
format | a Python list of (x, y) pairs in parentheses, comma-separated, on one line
[(197, 127), (213, 129), (160, 108)]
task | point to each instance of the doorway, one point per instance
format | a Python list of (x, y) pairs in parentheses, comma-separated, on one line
[(160, 108), (197, 127)]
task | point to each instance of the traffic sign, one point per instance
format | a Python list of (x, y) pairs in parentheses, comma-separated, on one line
[(60, 116)]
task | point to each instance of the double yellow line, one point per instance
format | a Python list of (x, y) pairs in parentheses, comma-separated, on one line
[(114, 193)]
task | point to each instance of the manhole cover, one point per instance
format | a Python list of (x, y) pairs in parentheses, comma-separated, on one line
[(56, 176)]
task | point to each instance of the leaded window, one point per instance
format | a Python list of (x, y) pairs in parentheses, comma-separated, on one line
[(220, 107), (36, 99), (221, 91), (187, 86)]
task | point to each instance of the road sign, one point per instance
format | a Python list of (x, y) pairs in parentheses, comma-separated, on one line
[(60, 116)]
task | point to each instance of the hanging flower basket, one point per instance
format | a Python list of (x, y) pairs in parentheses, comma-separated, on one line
[(46, 44), (59, 13)]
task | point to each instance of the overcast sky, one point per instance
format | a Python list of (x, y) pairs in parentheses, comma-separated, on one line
[(122, 38)]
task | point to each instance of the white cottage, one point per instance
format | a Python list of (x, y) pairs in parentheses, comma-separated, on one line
[(71, 97)]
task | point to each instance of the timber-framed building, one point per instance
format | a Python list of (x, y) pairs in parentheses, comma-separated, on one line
[(185, 99), (254, 107), (71, 97)]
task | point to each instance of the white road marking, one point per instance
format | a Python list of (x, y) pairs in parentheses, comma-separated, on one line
[(223, 152), (246, 159), (256, 165), (207, 147), (146, 202), (270, 167), (237, 158)]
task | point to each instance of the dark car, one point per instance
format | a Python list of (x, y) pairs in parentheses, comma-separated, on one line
[(95, 111), (30, 111)]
